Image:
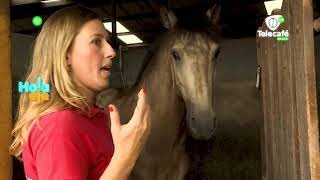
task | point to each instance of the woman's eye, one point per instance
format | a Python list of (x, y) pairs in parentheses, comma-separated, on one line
[(97, 42)]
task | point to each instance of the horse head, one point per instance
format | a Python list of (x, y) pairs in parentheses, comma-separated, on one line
[(194, 51)]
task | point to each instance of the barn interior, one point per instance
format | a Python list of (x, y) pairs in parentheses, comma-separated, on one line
[(235, 150)]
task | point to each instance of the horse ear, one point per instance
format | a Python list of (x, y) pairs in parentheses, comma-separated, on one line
[(167, 17), (213, 13)]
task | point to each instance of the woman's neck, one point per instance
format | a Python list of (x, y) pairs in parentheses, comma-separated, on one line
[(89, 95)]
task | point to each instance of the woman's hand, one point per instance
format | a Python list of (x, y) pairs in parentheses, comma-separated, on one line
[(129, 138)]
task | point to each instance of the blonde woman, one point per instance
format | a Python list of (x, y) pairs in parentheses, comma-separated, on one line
[(67, 136)]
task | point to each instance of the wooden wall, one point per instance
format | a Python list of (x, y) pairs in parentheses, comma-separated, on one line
[(290, 147), (5, 91)]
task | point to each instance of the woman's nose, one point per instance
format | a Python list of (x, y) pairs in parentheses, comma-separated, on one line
[(110, 52)]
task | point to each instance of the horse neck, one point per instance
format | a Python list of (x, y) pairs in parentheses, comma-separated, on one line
[(167, 107), (158, 78)]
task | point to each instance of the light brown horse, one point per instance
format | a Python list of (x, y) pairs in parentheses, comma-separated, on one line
[(179, 81)]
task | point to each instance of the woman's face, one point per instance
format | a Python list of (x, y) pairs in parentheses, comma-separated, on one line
[(90, 57)]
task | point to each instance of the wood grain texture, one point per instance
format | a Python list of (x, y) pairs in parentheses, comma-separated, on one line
[(290, 146), (5, 91)]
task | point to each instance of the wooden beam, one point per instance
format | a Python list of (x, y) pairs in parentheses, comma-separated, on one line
[(31, 10), (137, 16), (5, 91), (311, 127), (290, 137)]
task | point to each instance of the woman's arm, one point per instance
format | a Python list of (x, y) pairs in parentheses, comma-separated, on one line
[(128, 139), (116, 170)]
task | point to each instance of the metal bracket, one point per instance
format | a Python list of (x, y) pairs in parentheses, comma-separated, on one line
[(258, 77)]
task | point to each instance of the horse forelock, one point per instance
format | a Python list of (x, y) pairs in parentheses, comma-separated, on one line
[(198, 22)]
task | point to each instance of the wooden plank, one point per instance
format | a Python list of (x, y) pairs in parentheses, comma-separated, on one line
[(273, 117), (290, 125), (266, 135), (5, 91), (288, 100), (297, 48), (303, 58), (311, 109), (262, 124), (269, 128)]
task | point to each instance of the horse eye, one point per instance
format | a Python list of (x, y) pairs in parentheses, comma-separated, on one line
[(175, 55), (216, 54)]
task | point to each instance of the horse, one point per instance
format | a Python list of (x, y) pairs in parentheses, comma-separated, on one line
[(179, 82)]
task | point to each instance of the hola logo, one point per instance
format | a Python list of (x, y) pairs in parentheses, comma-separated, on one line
[(273, 22), (38, 91)]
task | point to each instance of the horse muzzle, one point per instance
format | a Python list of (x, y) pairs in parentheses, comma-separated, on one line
[(202, 127)]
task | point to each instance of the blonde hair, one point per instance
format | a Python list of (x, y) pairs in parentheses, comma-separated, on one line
[(49, 63)]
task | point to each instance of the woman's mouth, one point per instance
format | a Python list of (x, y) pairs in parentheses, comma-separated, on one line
[(106, 70)]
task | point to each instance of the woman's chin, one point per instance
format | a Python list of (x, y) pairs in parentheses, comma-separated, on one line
[(105, 85)]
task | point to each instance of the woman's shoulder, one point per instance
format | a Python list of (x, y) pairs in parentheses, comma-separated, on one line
[(61, 122), (59, 116), (69, 113), (64, 126)]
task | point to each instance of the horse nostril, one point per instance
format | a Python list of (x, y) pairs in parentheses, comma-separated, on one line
[(193, 122), (215, 123)]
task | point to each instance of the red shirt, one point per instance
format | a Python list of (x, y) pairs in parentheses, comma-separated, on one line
[(68, 145)]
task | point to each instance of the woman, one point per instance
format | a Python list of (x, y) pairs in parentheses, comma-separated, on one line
[(67, 136)]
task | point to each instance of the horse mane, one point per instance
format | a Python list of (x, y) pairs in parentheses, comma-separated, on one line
[(151, 53)]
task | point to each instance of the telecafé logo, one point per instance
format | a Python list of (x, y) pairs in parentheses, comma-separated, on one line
[(273, 22), (39, 91)]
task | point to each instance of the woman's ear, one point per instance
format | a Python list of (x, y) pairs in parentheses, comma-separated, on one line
[(68, 58)]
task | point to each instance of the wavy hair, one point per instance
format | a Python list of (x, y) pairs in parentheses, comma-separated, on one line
[(49, 63)]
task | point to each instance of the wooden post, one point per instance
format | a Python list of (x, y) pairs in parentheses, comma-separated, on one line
[(290, 138), (5, 91)]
